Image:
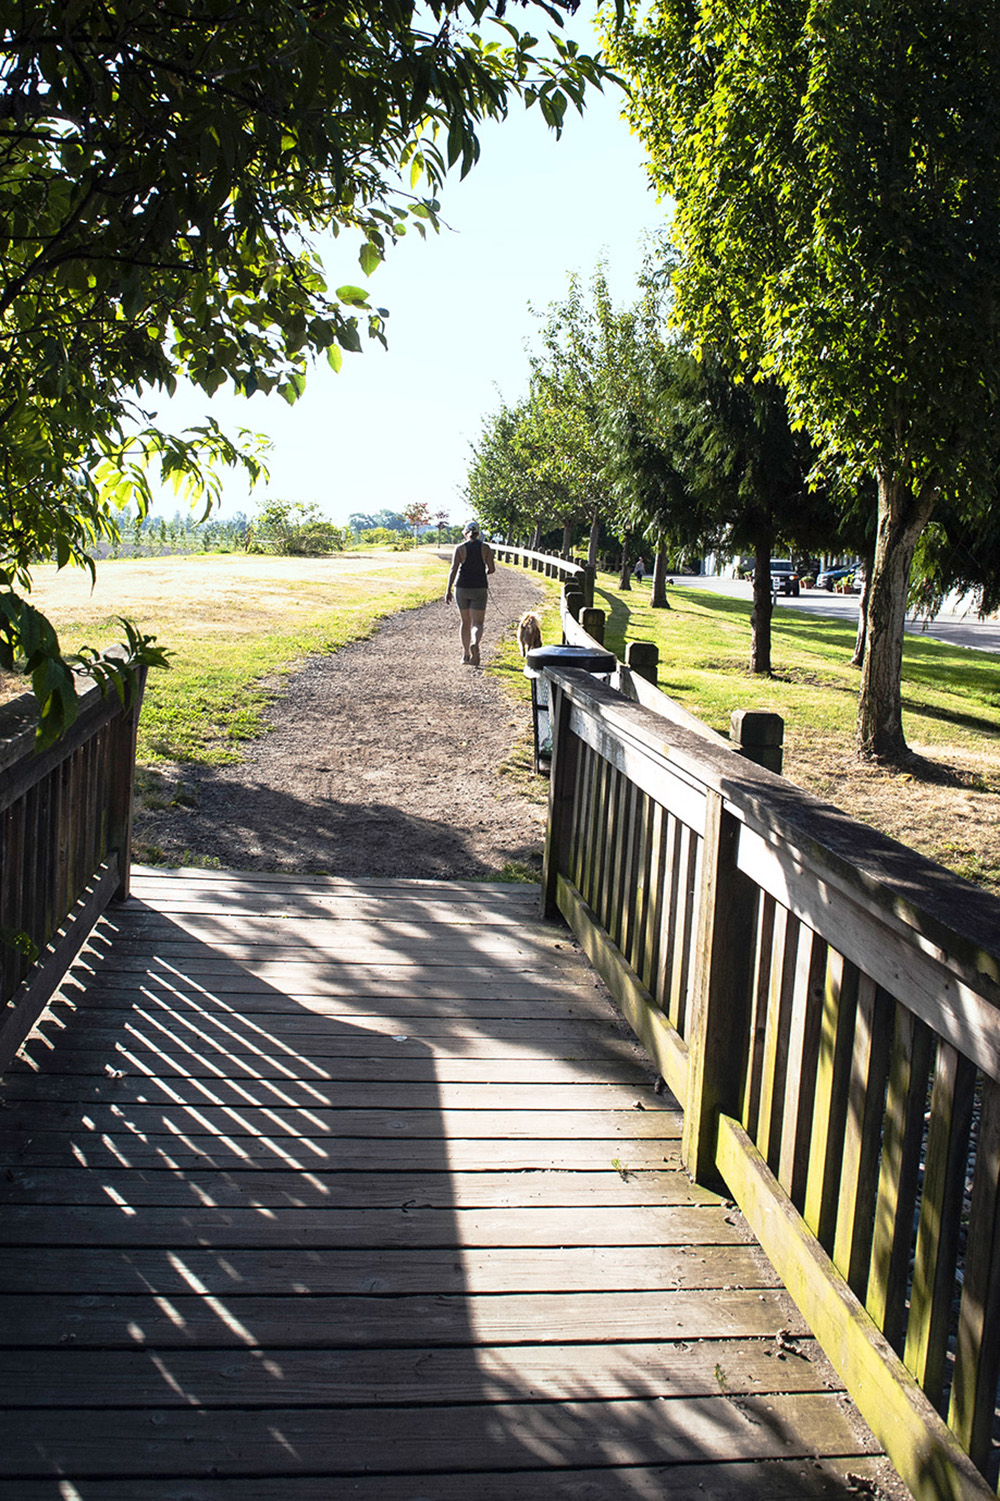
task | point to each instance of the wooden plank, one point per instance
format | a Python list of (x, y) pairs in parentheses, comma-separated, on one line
[(918, 1442), (65, 1032), (277, 1270), (800, 1088), (404, 1227), (347, 1095), (774, 1066), (760, 990), (551, 1372), (684, 908), (936, 1252), (863, 1135), (833, 1078), (812, 1479), (902, 1139), (127, 1321), (633, 879), (271, 1188), (333, 1441), (652, 895), (977, 1349), (286, 1127), (197, 1060), (719, 1030), (167, 883), (85, 1148), (287, 987)]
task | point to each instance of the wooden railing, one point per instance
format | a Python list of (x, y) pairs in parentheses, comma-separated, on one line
[(826, 1006), (65, 820), (578, 575)]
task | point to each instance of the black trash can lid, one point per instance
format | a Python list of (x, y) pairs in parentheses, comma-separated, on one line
[(589, 658)]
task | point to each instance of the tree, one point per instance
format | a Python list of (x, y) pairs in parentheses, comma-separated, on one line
[(294, 529), (418, 514), (837, 178), (164, 173)]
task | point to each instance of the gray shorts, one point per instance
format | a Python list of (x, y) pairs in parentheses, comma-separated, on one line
[(471, 599)]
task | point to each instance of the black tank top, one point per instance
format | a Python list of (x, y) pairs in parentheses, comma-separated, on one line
[(472, 573)]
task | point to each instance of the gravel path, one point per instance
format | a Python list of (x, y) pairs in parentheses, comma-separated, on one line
[(382, 760)]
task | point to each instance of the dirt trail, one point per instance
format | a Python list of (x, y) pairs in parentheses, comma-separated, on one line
[(382, 760)]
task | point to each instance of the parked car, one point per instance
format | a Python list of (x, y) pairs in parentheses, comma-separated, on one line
[(784, 577), (831, 577)]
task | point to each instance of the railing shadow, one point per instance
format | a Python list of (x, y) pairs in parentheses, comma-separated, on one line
[(237, 1249)]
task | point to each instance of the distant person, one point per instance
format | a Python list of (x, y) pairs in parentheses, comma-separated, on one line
[(471, 566), (639, 571)]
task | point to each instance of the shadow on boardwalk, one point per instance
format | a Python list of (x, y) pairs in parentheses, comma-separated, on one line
[(323, 1190)]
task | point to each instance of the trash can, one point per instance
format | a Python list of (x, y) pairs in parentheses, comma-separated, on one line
[(590, 659)]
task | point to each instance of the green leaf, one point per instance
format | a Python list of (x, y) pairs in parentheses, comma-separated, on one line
[(370, 257)]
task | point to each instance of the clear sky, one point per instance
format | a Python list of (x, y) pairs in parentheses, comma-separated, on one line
[(396, 426)]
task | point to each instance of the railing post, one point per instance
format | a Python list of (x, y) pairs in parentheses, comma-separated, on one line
[(573, 600), (720, 990), (642, 658), (593, 623), (562, 793), (589, 581), (758, 736)]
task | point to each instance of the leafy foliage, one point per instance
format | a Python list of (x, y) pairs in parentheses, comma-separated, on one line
[(836, 170), (164, 173), (294, 529)]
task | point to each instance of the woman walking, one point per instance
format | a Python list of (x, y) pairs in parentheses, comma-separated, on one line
[(471, 566)]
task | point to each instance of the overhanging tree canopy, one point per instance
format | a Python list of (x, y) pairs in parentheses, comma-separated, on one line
[(164, 173), (836, 168)]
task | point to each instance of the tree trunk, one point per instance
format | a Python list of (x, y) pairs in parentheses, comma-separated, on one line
[(901, 518), (760, 615), (536, 539), (567, 541), (593, 544), (658, 599), (860, 640)]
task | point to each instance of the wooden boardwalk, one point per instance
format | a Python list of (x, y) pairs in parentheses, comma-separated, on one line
[(318, 1190)]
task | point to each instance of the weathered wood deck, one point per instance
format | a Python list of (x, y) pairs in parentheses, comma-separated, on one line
[(317, 1189)]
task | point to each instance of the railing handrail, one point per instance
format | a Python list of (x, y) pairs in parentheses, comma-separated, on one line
[(65, 836), (953, 925), (505, 551), (822, 1000)]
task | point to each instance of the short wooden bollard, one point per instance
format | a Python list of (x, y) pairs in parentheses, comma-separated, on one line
[(759, 736), (642, 658), (593, 623)]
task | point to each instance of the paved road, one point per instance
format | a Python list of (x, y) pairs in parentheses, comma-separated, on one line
[(957, 630)]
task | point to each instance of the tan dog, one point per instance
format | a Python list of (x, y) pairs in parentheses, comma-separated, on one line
[(529, 633)]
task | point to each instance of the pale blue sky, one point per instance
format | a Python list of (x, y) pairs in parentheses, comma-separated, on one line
[(397, 425)]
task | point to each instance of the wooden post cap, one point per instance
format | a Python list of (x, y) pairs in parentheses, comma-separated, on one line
[(593, 623), (574, 599), (642, 658), (756, 727)]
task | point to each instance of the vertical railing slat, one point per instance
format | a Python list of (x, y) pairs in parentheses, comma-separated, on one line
[(862, 1135), (977, 1350), (945, 1157), (902, 1135)]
